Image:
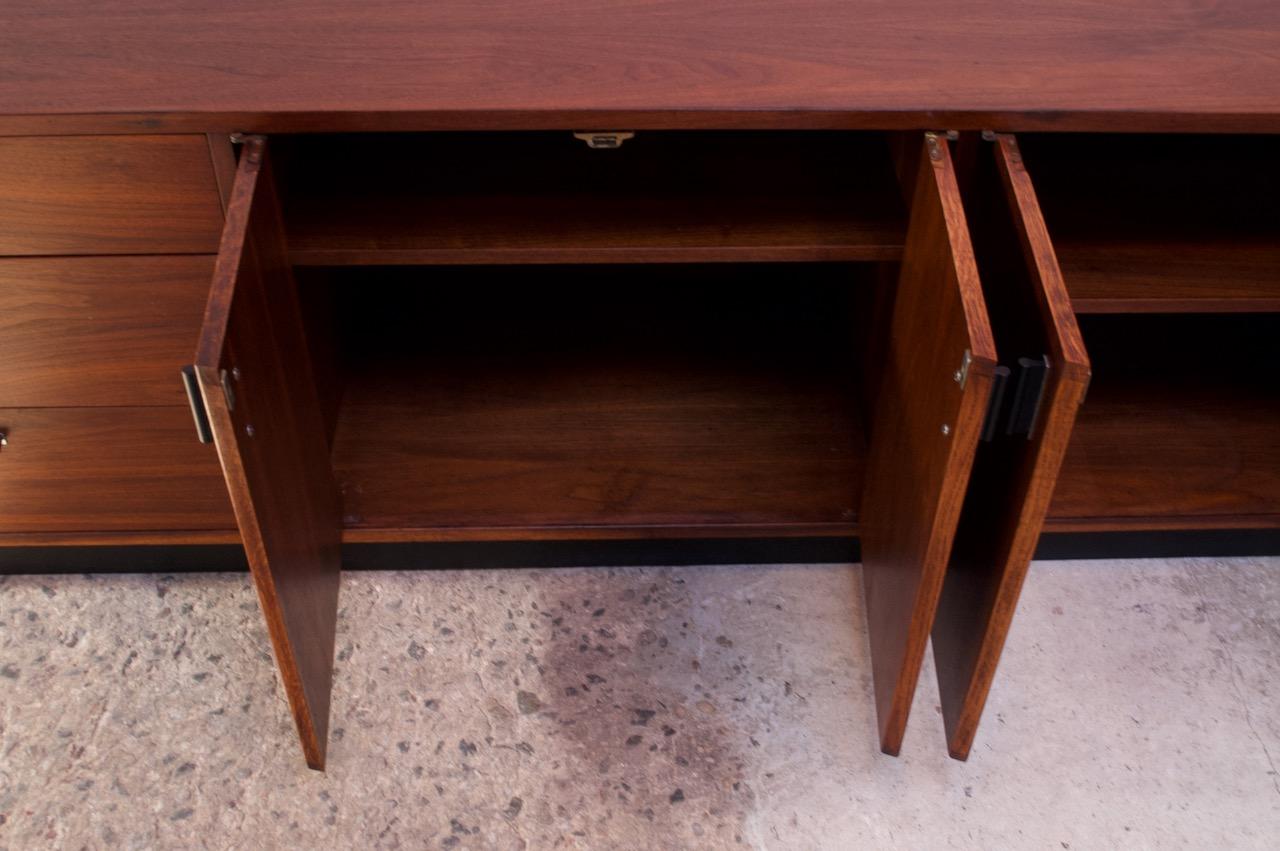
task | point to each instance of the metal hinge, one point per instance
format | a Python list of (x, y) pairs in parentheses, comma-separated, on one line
[(935, 141), (196, 399)]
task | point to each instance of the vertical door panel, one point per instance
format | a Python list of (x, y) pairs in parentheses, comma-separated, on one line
[(1014, 474), (255, 376), (937, 373)]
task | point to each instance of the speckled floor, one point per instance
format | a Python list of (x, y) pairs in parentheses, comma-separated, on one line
[(1138, 706)]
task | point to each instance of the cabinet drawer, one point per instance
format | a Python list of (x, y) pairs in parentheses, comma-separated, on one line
[(108, 469), (107, 195), (77, 331)]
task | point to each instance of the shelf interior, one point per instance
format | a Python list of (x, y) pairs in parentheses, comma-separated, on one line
[(1181, 426), (455, 198), (603, 401), (1161, 223)]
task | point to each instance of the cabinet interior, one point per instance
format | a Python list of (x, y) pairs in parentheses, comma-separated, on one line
[(679, 335), (1180, 425), (547, 197), (723, 398), (1161, 223), (516, 331), (1173, 241)]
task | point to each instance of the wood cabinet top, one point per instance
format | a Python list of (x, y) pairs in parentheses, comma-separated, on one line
[(156, 65)]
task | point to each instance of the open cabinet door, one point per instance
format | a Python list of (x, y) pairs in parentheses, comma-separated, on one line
[(254, 375), (1024, 440), (937, 373)]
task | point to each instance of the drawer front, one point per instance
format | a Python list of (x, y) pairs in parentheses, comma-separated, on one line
[(107, 195), (108, 469), (79, 331)]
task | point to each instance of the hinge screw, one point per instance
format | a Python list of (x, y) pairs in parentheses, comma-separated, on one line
[(248, 429), (935, 149), (961, 375), (946, 429)]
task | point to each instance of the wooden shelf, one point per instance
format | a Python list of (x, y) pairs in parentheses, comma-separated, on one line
[(1175, 224), (557, 413), (548, 198), (1179, 429)]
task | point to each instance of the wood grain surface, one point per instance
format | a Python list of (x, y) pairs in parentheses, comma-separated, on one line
[(107, 195), (329, 64), (641, 401), (927, 420), (98, 330), (1179, 428), (1014, 474), (270, 438), (108, 470)]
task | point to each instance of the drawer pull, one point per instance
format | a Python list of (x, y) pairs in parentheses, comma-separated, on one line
[(203, 431)]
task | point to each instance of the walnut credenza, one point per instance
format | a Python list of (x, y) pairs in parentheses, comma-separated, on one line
[(460, 273)]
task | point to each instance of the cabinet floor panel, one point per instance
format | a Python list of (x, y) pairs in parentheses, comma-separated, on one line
[(1180, 429), (606, 445)]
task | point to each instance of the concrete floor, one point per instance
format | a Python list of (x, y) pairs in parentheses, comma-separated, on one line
[(1138, 706)]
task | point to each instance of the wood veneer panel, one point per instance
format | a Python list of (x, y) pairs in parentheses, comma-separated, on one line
[(619, 447), (1179, 428), (271, 441), (1162, 224), (78, 331), (107, 195), (107, 470), (923, 436), (548, 198), (1014, 474), (578, 403), (1221, 274), (1066, 65)]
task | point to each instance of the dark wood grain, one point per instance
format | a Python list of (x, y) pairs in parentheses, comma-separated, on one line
[(127, 538), (78, 331), (642, 401), (1074, 65), (222, 156), (108, 470), (1179, 428), (270, 438), (1162, 224), (1224, 274), (548, 198), (916, 471), (107, 195), (1013, 475)]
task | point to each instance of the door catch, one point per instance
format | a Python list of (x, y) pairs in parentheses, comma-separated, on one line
[(606, 139)]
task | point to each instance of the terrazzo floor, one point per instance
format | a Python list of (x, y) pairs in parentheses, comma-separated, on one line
[(1137, 706)]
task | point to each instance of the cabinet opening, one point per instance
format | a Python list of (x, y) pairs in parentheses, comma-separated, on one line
[(1161, 223), (546, 197), (1179, 428), (621, 400)]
